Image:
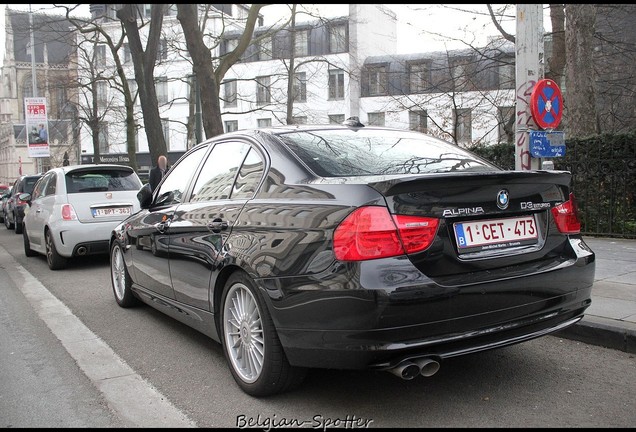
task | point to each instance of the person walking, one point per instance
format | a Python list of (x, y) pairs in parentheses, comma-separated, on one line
[(157, 173)]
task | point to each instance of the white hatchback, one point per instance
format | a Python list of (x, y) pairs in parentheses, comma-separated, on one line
[(73, 210)]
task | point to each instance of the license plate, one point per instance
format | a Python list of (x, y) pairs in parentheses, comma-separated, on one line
[(111, 211), (496, 233)]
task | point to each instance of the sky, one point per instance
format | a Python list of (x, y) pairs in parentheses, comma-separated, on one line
[(420, 28)]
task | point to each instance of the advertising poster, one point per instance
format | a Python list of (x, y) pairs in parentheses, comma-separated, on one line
[(37, 126)]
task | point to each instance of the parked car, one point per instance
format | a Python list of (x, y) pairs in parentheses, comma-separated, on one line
[(5, 197), (352, 247), (73, 210), (14, 209)]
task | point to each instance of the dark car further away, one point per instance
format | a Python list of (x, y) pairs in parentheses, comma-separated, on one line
[(352, 248), (14, 208)]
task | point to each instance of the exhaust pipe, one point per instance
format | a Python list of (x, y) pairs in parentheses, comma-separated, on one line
[(406, 370), (81, 250), (428, 367)]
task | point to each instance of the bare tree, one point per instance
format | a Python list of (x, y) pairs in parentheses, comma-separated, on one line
[(209, 76), (144, 61), (579, 101)]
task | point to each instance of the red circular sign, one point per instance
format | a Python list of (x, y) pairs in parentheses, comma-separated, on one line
[(546, 104)]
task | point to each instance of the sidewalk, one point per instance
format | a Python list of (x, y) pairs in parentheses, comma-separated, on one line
[(610, 321)]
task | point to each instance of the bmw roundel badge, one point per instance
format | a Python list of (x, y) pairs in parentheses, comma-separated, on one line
[(503, 199)]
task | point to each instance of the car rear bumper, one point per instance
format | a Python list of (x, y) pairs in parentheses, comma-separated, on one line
[(362, 328), (83, 238)]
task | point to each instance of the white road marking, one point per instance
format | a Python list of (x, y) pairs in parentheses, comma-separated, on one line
[(135, 400)]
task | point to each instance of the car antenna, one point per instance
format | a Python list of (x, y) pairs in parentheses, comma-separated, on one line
[(353, 122)]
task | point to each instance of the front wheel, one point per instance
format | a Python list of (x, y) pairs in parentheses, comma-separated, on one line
[(250, 343), (7, 222), (53, 258), (120, 278), (17, 224)]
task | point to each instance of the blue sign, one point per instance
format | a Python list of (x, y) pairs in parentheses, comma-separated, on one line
[(547, 144)]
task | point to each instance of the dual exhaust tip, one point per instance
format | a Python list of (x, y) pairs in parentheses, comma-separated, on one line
[(409, 369)]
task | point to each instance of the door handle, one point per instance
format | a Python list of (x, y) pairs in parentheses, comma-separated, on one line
[(217, 225)]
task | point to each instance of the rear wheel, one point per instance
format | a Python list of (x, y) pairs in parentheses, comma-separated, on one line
[(120, 278), (18, 225), (53, 258), (27, 245), (7, 222), (250, 343)]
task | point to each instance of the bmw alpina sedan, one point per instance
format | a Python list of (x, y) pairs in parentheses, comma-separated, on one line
[(352, 247), (73, 209)]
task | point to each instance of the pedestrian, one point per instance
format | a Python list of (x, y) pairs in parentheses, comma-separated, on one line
[(42, 134), (157, 173)]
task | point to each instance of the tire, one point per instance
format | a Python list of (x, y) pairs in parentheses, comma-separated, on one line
[(7, 223), (18, 225), (258, 364), (53, 258), (120, 279), (27, 245)]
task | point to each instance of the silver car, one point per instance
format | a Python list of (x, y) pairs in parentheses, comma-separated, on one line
[(72, 210)]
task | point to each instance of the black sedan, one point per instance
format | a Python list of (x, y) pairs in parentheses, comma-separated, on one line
[(352, 247)]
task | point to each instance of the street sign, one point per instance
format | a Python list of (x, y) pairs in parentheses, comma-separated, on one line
[(546, 104), (547, 144), (37, 126)]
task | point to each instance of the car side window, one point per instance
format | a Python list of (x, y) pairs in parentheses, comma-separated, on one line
[(249, 176), (217, 175), (51, 185), (38, 188), (176, 181)]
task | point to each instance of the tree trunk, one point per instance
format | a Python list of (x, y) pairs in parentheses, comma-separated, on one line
[(556, 62), (579, 95)]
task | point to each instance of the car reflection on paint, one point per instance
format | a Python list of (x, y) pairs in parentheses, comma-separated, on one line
[(352, 247)]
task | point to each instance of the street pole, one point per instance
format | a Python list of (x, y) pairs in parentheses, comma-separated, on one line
[(38, 161), (529, 70)]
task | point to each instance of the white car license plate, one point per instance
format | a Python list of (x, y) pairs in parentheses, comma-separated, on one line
[(496, 233), (111, 211)]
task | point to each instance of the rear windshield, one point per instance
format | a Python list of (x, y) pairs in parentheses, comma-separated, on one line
[(343, 153), (102, 181)]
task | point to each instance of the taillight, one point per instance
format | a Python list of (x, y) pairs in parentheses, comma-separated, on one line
[(566, 216), (68, 212), (371, 232)]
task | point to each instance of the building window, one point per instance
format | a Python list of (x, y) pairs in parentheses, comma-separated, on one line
[(336, 84), (265, 122), (161, 84), (338, 38), (229, 88), (300, 87), (263, 95), (231, 125), (376, 119), (418, 121), (100, 55), (463, 125), (463, 74), (265, 49), (230, 45), (336, 118), (507, 72), (506, 125), (299, 120), (132, 87), (162, 50), (419, 77), (301, 43), (102, 92), (147, 10), (127, 54), (165, 126), (377, 80), (102, 138)]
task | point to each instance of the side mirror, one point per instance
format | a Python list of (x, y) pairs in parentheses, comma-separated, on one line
[(145, 196), (26, 197)]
